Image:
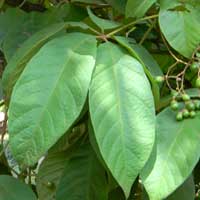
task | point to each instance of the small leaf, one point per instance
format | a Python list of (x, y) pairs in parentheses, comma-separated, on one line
[(123, 117), (49, 95), (83, 178), (103, 24), (138, 8), (13, 189), (180, 28), (177, 154)]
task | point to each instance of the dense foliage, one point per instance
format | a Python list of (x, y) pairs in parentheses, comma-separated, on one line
[(101, 99)]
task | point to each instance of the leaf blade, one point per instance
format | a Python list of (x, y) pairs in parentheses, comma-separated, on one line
[(138, 8), (110, 115), (13, 189), (88, 182), (177, 153), (35, 125)]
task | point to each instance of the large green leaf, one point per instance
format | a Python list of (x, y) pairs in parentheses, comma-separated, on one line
[(83, 178), (13, 189), (103, 24), (180, 27), (49, 95), (138, 8), (122, 114), (149, 64), (177, 154)]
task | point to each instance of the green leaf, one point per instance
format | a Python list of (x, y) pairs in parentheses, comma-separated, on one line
[(89, 1), (149, 64), (138, 8), (13, 189), (74, 13), (29, 48), (83, 178), (103, 24), (26, 24), (49, 174), (112, 182), (180, 28), (49, 95), (123, 117), (185, 191), (11, 16), (119, 5), (177, 154)]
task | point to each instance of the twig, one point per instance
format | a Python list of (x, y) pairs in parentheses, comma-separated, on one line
[(171, 53), (130, 24)]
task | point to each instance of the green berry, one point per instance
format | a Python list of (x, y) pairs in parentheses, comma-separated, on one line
[(174, 105), (179, 116), (197, 105), (185, 97), (192, 114), (174, 93), (198, 54), (197, 83), (194, 66), (190, 106), (159, 79), (50, 184), (186, 113)]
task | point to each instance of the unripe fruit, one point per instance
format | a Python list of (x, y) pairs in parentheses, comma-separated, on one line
[(174, 105), (174, 93), (198, 54), (159, 79), (190, 106), (179, 116), (197, 83), (50, 184), (197, 105), (194, 66), (192, 114), (185, 97), (186, 113)]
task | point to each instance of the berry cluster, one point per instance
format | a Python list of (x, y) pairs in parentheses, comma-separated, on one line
[(189, 110), (195, 66)]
